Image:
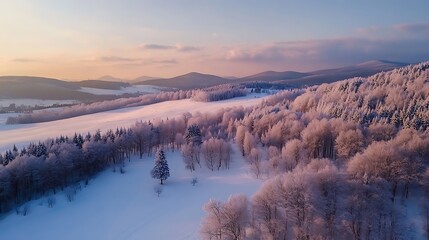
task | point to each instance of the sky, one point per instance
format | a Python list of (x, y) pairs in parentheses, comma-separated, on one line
[(86, 39)]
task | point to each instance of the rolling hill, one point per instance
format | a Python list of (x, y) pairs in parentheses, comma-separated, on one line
[(188, 81), (331, 75), (272, 76), (41, 88)]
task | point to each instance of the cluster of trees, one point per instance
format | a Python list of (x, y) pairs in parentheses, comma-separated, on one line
[(216, 151), (398, 97), (220, 92), (52, 165), (13, 108), (315, 201), (332, 174)]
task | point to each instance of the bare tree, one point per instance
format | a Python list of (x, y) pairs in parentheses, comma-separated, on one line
[(255, 159)]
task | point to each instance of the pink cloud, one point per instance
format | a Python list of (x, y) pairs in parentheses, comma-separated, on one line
[(413, 28)]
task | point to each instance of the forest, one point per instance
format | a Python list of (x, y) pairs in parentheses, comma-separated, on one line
[(338, 161)]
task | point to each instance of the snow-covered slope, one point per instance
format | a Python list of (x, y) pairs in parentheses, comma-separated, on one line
[(24, 133), (125, 206), (123, 90)]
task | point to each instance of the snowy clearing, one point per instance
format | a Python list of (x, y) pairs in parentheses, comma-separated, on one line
[(125, 206), (130, 89), (21, 134)]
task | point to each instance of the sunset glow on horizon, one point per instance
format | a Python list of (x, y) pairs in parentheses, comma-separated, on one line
[(126, 39)]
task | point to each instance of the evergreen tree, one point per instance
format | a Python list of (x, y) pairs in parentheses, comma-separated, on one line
[(97, 136), (160, 170), (193, 135), (23, 152), (8, 158), (15, 151)]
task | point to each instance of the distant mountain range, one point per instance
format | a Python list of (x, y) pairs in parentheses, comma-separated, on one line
[(290, 78), (47, 88)]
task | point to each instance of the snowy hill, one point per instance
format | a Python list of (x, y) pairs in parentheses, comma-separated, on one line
[(188, 81), (273, 76), (331, 75), (13, 87)]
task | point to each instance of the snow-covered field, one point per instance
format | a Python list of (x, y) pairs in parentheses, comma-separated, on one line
[(130, 89), (125, 206), (21, 134)]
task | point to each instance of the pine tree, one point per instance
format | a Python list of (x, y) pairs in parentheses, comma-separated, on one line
[(97, 136), (160, 170), (193, 135)]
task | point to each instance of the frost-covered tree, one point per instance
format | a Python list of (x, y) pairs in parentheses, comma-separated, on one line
[(348, 143), (160, 170), (226, 220), (190, 154), (191, 150), (216, 153)]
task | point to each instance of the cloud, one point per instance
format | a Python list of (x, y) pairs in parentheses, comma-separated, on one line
[(187, 48), (127, 61), (157, 47), (166, 61), (177, 47), (370, 31), (117, 59), (413, 28), (26, 60), (150, 62), (270, 53), (338, 51)]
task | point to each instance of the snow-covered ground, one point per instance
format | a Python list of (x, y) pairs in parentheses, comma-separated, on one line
[(130, 89), (125, 206), (22, 134)]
